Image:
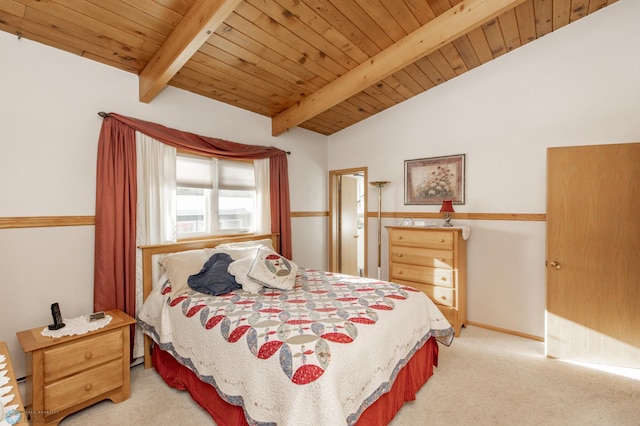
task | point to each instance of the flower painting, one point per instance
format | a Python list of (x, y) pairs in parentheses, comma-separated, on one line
[(433, 180)]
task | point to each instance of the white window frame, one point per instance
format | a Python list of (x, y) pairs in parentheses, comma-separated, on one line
[(210, 183)]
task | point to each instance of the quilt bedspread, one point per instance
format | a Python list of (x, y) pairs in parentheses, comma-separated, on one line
[(324, 351)]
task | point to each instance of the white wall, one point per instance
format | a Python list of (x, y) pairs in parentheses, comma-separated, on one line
[(577, 86), (49, 100)]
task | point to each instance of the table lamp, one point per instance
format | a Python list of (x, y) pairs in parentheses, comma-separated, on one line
[(447, 209)]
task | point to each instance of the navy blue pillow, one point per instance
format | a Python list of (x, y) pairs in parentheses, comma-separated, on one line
[(214, 277)]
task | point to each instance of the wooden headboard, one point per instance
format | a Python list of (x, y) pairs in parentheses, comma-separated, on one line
[(147, 266)]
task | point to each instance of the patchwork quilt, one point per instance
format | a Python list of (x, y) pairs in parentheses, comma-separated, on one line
[(325, 350)]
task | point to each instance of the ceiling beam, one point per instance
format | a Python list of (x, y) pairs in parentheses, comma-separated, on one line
[(202, 19), (443, 29)]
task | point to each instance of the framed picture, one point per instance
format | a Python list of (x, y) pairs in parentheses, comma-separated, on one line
[(433, 180)]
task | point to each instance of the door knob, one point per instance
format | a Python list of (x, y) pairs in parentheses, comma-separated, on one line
[(555, 264)]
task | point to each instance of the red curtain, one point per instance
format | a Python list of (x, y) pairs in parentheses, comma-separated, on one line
[(115, 230), (116, 196)]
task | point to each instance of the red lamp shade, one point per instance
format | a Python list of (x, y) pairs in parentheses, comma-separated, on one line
[(447, 207)]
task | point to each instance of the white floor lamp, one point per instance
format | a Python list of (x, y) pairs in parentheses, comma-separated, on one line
[(379, 184)]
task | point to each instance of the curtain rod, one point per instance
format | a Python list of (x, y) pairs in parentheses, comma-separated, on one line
[(105, 115)]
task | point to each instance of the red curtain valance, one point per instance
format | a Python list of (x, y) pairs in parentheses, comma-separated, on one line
[(116, 196)]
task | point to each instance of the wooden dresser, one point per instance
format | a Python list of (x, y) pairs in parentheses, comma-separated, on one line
[(433, 260), (70, 373)]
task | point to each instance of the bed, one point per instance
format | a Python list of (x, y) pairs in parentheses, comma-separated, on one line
[(302, 346)]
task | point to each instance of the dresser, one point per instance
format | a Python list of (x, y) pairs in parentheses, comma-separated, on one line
[(69, 373), (433, 260)]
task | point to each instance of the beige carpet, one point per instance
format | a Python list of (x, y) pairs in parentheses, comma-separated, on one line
[(484, 378)]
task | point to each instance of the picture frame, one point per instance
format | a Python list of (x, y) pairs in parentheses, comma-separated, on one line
[(433, 180)]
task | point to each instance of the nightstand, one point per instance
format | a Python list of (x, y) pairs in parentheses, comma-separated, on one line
[(70, 373)]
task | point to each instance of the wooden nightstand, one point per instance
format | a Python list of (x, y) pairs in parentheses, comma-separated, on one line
[(70, 373)]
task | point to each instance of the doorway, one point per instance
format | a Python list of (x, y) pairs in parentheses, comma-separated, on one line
[(593, 247), (347, 221)]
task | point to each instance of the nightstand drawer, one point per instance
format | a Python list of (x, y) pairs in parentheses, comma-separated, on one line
[(433, 239), (422, 274), (422, 256), (73, 390), (64, 360)]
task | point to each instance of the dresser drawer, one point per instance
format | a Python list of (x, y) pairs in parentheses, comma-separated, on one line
[(72, 357), (432, 239), (422, 256), (440, 295), (83, 386), (451, 314), (422, 274)]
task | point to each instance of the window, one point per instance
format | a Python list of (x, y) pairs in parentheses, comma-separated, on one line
[(214, 196)]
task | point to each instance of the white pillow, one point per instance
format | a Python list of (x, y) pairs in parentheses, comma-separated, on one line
[(240, 270), (243, 244), (236, 253), (179, 266), (273, 270)]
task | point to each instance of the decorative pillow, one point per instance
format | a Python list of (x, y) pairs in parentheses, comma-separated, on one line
[(240, 269), (272, 270), (243, 244), (214, 277), (179, 266)]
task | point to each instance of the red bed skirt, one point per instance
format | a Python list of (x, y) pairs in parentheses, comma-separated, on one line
[(381, 412)]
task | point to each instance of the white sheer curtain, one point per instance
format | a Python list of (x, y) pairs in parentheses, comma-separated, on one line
[(263, 204), (156, 209)]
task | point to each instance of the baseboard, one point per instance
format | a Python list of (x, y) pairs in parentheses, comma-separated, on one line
[(504, 330)]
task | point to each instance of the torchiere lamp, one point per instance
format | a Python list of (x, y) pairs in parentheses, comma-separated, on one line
[(379, 184), (447, 209)]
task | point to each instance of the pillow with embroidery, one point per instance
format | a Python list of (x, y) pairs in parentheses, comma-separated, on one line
[(273, 270), (214, 277)]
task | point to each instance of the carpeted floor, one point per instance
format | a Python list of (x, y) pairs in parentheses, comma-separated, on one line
[(484, 378)]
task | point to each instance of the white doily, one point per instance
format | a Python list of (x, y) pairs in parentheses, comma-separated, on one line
[(78, 325)]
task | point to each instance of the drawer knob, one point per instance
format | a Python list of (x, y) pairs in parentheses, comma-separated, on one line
[(88, 355), (444, 297), (442, 240), (399, 254), (443, 278), (400, 237), (88, 387)]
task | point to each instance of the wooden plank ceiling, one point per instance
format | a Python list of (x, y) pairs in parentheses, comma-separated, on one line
[(322, 65)]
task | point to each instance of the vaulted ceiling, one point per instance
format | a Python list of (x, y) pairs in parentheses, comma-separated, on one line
[(322, 65)]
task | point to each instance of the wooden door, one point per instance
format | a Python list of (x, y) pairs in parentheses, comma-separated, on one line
[(593, 254), (349, 225)]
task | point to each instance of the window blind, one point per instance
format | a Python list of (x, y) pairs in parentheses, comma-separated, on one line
[(194, 172), (200, 172), (236, 175)]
